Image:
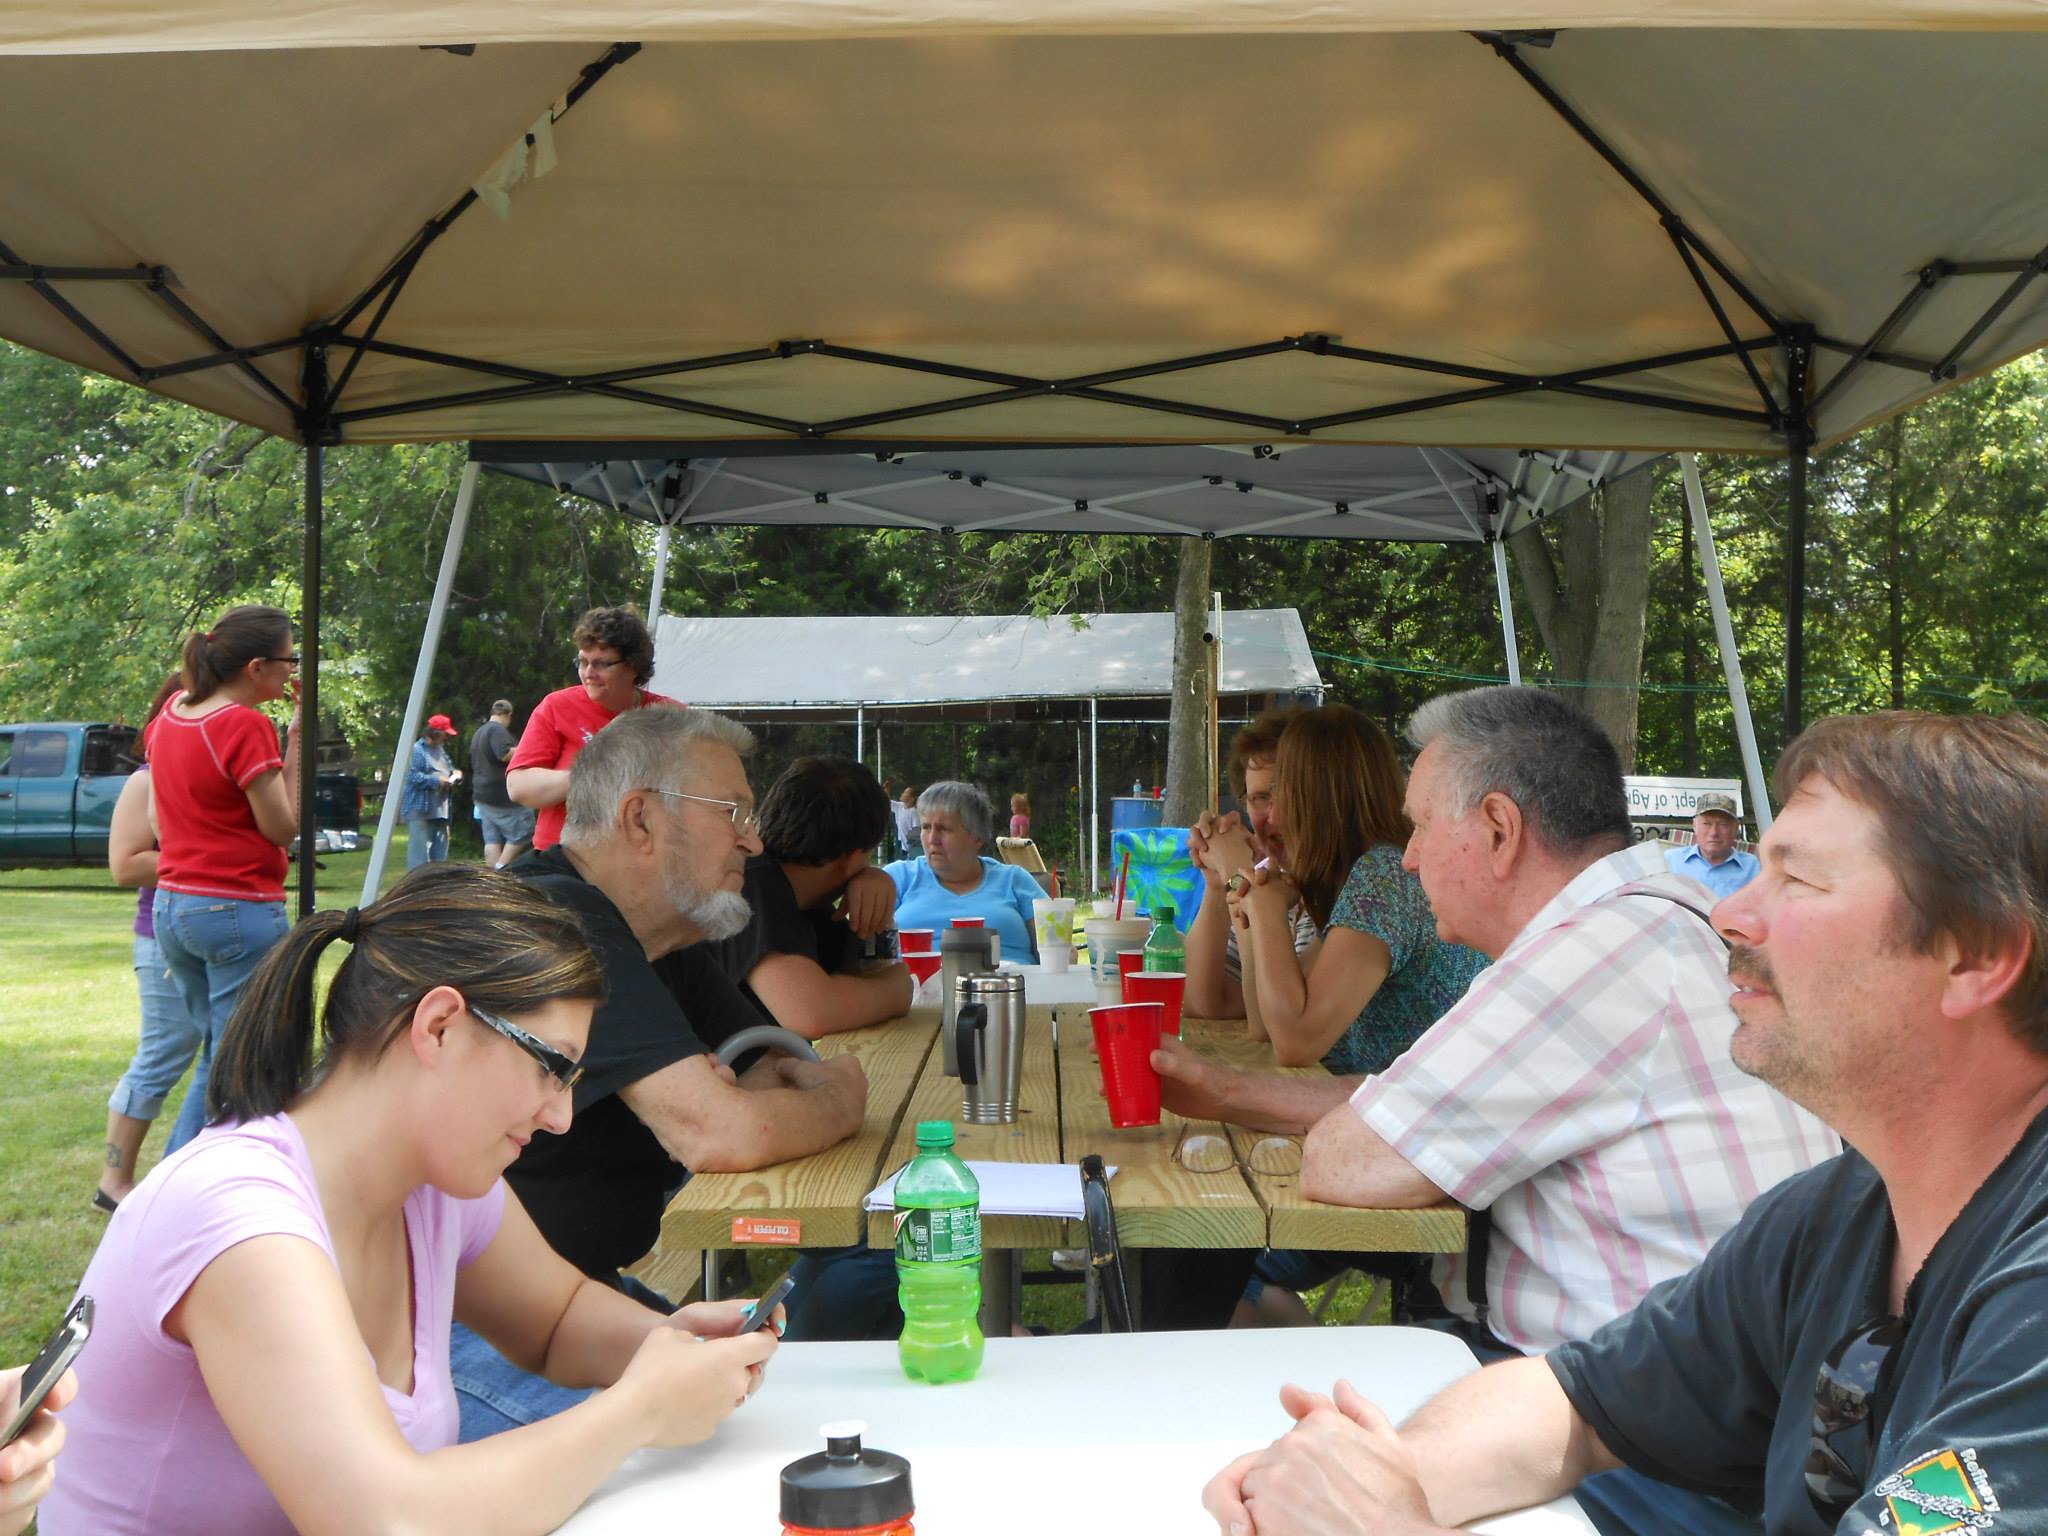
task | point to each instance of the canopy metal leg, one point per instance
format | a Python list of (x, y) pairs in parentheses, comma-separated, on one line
[(1094, 800), (422, 672), (860, 733), (1507, 612), (661, 539), (1724, 635)]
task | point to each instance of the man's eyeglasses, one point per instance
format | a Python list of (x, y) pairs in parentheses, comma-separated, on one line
[(565, 1070), (592, 664), (744, 817), (1844, 1433)]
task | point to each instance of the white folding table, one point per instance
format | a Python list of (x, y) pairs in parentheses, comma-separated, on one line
[(1113, 1432)]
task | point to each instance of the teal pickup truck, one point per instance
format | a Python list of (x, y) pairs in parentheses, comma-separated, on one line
[(58, 785)]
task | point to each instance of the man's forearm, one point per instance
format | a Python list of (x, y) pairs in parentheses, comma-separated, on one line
[(1266, 1101), (759, 1127), (1499, 1439)]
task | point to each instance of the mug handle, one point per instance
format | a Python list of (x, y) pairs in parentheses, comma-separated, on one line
[(773, 1036), (966, 1049)]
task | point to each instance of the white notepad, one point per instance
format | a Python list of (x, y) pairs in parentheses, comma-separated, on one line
[(1010, 1189)]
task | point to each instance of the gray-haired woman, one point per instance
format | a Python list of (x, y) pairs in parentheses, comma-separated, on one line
[(955, 878)]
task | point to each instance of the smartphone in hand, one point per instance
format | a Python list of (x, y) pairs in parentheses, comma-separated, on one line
[(50, 1364), (762, 1310)]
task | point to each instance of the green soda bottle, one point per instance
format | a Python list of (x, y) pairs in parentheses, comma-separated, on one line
[(938, 1260), (1164, 949)]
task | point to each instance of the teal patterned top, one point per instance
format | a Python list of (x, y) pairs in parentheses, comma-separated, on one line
[(1428, 975)]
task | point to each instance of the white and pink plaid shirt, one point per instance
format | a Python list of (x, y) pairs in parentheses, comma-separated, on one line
[(1583, 1090)]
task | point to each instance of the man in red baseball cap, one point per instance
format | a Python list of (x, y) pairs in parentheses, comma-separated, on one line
[(428, 778)]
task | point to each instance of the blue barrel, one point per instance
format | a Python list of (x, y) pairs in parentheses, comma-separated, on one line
[(1130, 812)]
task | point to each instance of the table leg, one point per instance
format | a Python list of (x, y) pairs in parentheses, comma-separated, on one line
[(1001, 1283), (712, 1289)]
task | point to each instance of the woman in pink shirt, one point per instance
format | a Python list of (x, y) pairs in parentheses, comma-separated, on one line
[(274, 1301)]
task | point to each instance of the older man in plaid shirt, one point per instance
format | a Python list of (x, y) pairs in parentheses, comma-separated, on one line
[(1581, 1094)]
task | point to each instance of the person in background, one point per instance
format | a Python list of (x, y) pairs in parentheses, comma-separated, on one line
[(226, 805), (1020, 815), (905, 812), (955, 878), (429, 776), (274, 1302), (814, 897), (614, 660), (1215, 987), (28, 1467), (169, 1039), (1713, 859), (507, 828), (1863, 1353)]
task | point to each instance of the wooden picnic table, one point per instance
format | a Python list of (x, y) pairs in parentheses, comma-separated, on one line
[(817, 1201)]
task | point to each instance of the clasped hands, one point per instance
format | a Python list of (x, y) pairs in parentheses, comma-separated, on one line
[(1340, 1471)]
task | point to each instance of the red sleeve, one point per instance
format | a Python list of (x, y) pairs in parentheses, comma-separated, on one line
[(246, 746), (540, 744)]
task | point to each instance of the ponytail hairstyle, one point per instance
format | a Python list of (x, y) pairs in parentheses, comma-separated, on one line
[(172, 687), (238, 637), (503, 944)]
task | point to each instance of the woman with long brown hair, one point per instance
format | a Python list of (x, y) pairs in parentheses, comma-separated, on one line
[(1381, 976), (275, 1300)]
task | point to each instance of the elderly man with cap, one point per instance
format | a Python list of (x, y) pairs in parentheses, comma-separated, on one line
[(1713, 859), (429, 775)]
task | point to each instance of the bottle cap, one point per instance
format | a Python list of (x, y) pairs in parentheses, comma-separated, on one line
[(1165, 911), (935, 1133), (845, 1487)]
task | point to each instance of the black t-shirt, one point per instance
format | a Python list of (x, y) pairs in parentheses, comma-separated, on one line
[(1708, 1383), (488, 750), (597, 1191), (780, 927)]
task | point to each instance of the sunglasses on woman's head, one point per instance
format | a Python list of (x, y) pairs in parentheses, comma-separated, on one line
[(565, 1070)]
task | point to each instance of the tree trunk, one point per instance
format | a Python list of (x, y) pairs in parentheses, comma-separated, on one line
[(1590, 596), (1187, 728)]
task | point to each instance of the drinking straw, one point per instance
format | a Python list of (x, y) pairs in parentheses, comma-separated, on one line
[(1122, 875)]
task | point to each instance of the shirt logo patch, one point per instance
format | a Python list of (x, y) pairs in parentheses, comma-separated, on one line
[(1948, 1491)]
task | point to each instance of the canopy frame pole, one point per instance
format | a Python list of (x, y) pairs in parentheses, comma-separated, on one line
[(422, 674), (1094, 796), (314, 425), (1507, 609), (661, 539), (1724, 636), (1798, 444), (860, 732)]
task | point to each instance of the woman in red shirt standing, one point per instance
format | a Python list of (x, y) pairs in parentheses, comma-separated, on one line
[(226, 804)]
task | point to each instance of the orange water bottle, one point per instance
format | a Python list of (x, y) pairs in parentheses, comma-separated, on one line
[(846, 1490)]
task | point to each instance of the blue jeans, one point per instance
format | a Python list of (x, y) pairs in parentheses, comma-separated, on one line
[(212, 945), (844, 1293), (495, 1395), (169, 1039), (426, 840)]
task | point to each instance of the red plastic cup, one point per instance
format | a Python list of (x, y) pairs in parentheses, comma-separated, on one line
[(914, 941), (970, 922), (1125, 1038), (1167, 988), (922, 966), (1128, 963)]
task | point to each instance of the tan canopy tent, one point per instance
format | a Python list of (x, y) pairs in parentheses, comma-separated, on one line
[(1703, 224)]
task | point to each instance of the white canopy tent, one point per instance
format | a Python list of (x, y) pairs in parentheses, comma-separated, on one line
[(1680, 225), (916, 668)]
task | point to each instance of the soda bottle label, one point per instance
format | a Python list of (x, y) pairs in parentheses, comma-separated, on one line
[(945, 1236)]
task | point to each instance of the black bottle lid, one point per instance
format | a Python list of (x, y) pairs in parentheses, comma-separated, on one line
[(845, 1487)]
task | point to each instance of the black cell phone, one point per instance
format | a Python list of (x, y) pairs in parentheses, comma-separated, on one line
[(50, 1364), (762, 1310)]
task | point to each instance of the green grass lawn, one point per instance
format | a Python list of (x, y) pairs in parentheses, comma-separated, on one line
[(68, 1018), (67, 1030)]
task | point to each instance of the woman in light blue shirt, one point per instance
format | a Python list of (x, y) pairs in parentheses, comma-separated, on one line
[(954, 878)]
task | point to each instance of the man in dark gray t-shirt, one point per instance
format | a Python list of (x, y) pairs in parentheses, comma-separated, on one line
[(507, 828), (1867, 1351)]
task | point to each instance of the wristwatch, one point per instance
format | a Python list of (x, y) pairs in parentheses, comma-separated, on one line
[(1238, 883)]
